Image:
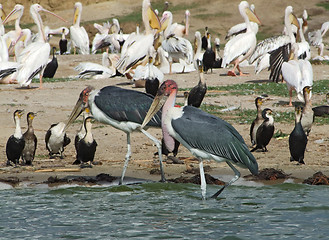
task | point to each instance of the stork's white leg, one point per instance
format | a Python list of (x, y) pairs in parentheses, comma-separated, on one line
[(158, 145), (127, 158), (203, 180), (236, 177)]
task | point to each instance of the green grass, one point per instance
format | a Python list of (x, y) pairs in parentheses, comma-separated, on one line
[(136, 15), (54, 80), (269, 88), (246, 116), (325, 5), (210, 16)]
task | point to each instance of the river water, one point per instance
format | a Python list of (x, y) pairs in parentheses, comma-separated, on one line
[(164, 211)]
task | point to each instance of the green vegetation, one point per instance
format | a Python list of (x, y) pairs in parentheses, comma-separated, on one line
[(325, 5), (269, 88), (246, 116), (209, 16), (54, 80)]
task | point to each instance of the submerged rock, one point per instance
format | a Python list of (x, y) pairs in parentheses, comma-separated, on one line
[(318, 178), (269, 174), (13, 181), (100, 178), (196, 180)]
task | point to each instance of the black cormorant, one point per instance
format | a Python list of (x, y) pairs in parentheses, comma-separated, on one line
[(265, 131), (297, 139), (87, 145), (56, 140), (15, 143), (30, 141)]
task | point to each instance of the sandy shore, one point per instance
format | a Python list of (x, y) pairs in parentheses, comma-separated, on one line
[(55, 102)]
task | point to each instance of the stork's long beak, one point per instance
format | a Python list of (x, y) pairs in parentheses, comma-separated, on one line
[(157, 104), (77, 110), (252, 16), (13, 15)]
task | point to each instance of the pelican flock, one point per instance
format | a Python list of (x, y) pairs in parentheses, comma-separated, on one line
[(159, 48)]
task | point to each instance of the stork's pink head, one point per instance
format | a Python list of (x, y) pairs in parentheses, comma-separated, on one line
[(167, 87)]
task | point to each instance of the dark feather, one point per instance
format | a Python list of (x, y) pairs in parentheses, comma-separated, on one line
[(126, 105)]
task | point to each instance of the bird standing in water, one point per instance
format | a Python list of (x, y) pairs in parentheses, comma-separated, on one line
[(31, 141), (297, 139), (15, 143), (204, 135)]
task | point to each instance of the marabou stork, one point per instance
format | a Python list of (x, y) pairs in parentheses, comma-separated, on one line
[(204, 135), (121, 108)]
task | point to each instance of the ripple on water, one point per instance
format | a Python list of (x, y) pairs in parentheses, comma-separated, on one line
[(165, 211)]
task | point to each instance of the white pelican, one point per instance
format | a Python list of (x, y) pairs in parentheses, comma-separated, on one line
[(242, 27), (34, 57), (3, 46), (198, 55), (297, 74), (134, 50), (98, 40), (78, 34), (304, 50), (241, 46), (315, 38), (176, 47), (114, 41), (273, 44), (149, 74), (204, 135), (177, 67), (180, 30), (19, 34), (97, 71)]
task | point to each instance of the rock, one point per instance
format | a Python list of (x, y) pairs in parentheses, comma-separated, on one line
[(318, 178)]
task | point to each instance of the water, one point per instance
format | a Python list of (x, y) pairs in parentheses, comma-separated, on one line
[(165, 211)]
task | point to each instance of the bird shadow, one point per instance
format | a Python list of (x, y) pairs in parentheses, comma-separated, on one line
[(26, 88), (286, 104), (124, 83), (259, 81)]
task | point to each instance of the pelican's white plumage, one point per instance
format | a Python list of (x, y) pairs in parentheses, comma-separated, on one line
[(242, 27), (19, 34), (3, 46), (135, 49), (34, 58), (177, 67), (78, 34), (177, 47), (97, 71), (241, 46), (198, 55), (315, 38), (297, 74)]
